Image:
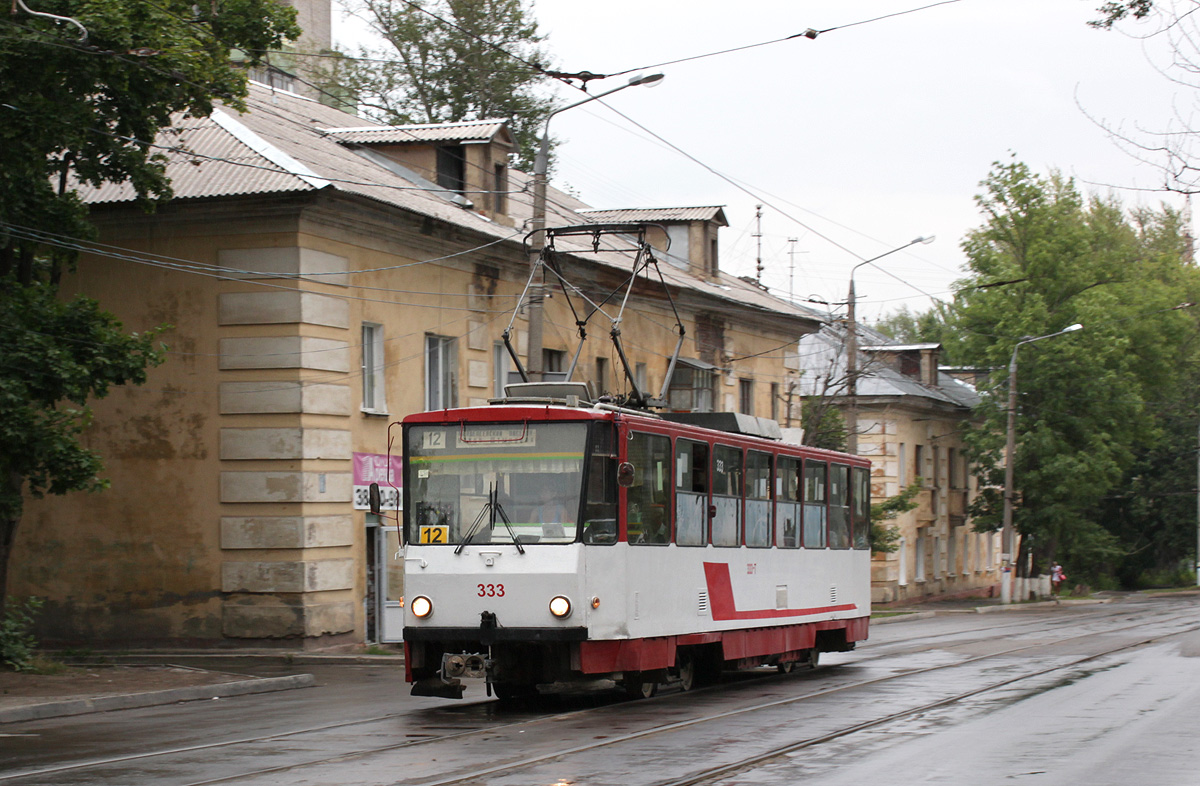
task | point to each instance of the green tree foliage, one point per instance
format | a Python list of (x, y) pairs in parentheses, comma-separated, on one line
[(925, 327), (1114, 12), (885, 539), (824, 427), (449, 61), (1046, 258), (87, 111), (78, 111)]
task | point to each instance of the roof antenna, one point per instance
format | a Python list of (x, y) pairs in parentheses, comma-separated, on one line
[(83, 30)]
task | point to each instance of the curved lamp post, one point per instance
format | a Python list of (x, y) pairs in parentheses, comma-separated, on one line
[(538, 223), (1008, 543), (852, 347)]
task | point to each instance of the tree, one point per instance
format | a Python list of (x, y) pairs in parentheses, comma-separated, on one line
[(1046, 258), (449, 61), (1171, 147), (884, 539), (87, 111)]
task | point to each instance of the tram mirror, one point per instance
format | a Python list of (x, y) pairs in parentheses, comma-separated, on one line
[(373, 499), (625, 474)]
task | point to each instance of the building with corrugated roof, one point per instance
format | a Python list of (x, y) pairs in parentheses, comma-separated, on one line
[(911, 414), (323, 277)]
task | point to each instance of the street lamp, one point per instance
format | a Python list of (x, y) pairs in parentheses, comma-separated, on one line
[(538, 224), (852, 347), (1010, 448)]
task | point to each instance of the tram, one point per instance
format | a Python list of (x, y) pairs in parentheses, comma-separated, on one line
[(555, 544)]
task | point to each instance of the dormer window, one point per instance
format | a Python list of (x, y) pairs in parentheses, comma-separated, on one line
[(452, 168)]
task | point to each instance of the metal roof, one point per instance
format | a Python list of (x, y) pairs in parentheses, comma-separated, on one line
[(657, 214), (823, 354), (472, 131), (281, 145)]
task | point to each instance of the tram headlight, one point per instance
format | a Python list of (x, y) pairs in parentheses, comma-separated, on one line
[(421, 606), (560, 606)]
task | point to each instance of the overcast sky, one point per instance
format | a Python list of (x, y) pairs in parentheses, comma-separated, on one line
[(855, 142)]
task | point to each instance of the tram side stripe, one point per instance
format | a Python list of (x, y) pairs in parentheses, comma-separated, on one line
[(721, 602)]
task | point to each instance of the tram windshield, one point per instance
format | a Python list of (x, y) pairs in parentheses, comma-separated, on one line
[(491, 483)]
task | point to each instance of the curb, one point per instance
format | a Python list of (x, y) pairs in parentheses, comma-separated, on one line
[(1043, 604), (58, 709), (904, 616), (156, 657)]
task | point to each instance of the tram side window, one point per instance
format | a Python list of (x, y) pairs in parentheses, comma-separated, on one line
[(839, 506), (727, 496), (815, 503), (860, 503), (691, 492), (787, 502), (758, 499), (647, 517)]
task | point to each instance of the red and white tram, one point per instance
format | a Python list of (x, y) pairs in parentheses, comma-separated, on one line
[(553, 544)]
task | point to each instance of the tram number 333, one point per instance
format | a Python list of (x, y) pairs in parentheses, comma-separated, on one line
[(491, 591)]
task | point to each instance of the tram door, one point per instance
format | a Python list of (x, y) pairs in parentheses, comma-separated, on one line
[(385, 583)]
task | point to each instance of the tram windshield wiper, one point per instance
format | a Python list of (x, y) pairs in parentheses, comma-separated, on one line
[(490, 509)]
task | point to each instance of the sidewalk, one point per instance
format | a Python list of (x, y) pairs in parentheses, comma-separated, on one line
[(131, 680)]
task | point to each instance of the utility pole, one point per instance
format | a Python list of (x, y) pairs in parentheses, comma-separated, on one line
[(537, 291), (852, 348), (792, 268), (758, 236)]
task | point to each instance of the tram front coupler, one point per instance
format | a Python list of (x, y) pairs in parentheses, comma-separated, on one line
[(465, 664), (447, 683)]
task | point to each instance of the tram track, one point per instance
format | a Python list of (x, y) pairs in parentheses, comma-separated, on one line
[(711, 774), (1030, 628)]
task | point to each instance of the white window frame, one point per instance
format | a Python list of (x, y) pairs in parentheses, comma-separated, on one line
[(374, 400), (441, 372)]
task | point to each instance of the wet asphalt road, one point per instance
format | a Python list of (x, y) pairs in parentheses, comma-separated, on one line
[(1087, 695)]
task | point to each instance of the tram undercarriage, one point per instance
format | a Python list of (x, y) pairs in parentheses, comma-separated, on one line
[(521, 668)]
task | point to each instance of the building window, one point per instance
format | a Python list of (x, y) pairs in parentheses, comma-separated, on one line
[(451, 168), (746, 396), (554, 365), (601, 376), (691, 389), (372, 368), (500, 186), (902, 465), (775, 401), (639, 376), (441, 373)]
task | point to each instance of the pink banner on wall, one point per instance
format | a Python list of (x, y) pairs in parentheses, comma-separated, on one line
[(373, 468)]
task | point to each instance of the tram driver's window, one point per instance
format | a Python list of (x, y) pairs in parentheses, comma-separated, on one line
[(691, 492), (600, 505), (815, 502), (648, 500)]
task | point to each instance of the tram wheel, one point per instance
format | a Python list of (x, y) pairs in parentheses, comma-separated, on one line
[(813, 657), (687, 672), (639, 687), (787, 667)]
